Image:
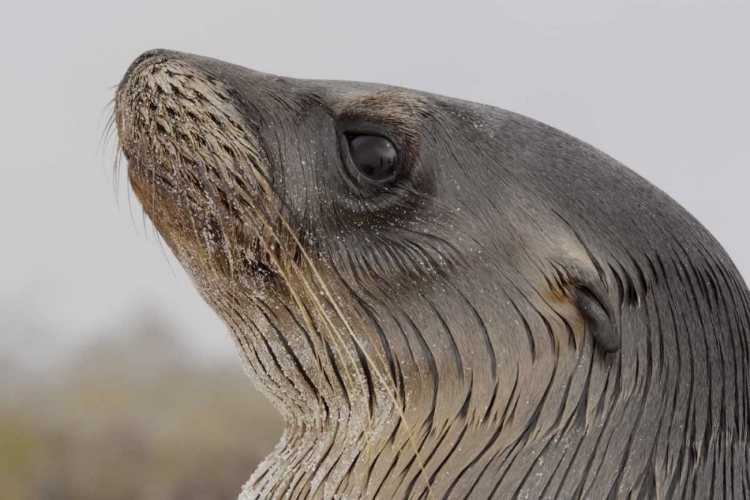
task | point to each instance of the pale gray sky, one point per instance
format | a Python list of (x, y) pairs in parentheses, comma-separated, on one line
[(661, 86)]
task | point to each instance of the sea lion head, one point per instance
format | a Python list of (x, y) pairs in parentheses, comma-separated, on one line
[(426, 288)]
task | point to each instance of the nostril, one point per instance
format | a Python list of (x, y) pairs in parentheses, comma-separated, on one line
[(138, 60)]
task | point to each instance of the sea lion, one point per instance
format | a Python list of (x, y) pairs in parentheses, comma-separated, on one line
[(445, 300)]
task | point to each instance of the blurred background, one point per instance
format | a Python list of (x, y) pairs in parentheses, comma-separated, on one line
[(116, 380)]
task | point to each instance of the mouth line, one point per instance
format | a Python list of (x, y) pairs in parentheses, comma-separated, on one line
[(259, 268), (153, 177)]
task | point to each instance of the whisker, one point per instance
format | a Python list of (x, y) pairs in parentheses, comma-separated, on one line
[(392, 395)]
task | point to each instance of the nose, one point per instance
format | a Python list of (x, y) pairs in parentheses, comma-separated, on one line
[(149, 54)]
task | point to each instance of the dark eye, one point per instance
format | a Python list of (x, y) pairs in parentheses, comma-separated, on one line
[(375, 156)]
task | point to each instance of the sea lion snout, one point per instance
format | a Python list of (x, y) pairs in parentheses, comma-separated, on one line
[(193, 159)]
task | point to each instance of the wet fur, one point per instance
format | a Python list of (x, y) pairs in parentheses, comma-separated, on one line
[(519, 316)]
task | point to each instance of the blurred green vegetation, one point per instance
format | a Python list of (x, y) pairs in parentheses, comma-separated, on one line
[(132, 416)]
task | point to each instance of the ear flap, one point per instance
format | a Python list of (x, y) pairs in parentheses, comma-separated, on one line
[(585, 288), (594, 307)]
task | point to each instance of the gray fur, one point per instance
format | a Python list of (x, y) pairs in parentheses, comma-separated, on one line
[(519, 316)]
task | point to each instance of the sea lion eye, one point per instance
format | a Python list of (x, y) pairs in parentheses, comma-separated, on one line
[(374, 155)]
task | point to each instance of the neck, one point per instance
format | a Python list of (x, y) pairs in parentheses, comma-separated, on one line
[(447, 401), (487, 414)]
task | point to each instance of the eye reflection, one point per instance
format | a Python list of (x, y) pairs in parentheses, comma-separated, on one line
[(374, 155)]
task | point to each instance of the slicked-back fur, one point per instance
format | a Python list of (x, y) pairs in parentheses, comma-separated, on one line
[(516, 316)]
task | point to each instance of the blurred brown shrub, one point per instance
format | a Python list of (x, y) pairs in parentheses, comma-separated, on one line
[(132, 417)]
